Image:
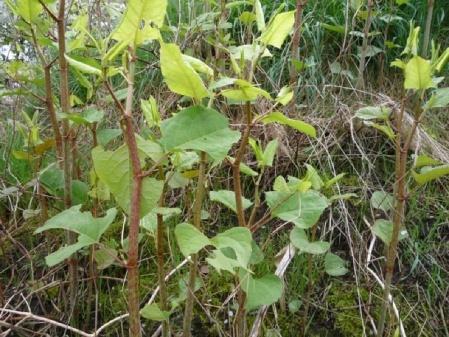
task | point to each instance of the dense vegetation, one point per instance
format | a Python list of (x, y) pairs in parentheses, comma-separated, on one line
[(224, 168)]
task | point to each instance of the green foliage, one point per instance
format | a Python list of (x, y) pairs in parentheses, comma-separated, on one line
[(298, 238), (190, 239), (179, 75), (113, 169), (227, 198), (301, 208), (260, 291), (208, 131), (89, 229)]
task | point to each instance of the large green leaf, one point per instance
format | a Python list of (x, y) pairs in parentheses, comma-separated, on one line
[(334, 265), (278, 29), (260, 20), (113, 168), (301, 208), (238, 239), (28, 10), (65, 252), (418, 74), (382, 200), (83, 67), (439, 99), (260, 291), (383, 229), (153, 312), (199, 128), (190, 239), (429, 173), (179, 75), (373, 112), (221, 261), (245, 92), (227, 198), (298, 238), (83, 223), (138, 21), (89, 229), (279, 117)]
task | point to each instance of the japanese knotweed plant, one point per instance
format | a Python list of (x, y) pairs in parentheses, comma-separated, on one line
[(421, 95), (36, 20), (179, 152)]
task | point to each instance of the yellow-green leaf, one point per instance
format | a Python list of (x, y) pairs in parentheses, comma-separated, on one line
[(279, 117), (179, 75), (138, 21), (278, 29), (418, 74)]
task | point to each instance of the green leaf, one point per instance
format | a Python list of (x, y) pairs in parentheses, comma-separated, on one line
[(246, 92), (335, 265), (259, 15), (260, 291), (239, 240), (269, 153), (373, 112), (439, 99), (256, 254), (249, 52), (385, 129), (278, 29), (418, 74), (105, 257), (190, 239), (279, 117), (86, 117), (285, 95), (428, 174), (227, 198), (179, 75), (151, 112), (137, 23), (412, 44), (441, 61), (83, 223), (113, 168), (340, 29), (153, 312), (198, 65), (107, 135), (65, 252), (220, 261), (80, 192), (207, 131), (298, 238), (423, 160), (382, 200), (314, 178), (383, 229), (83, 67), (301, 208), (29, 10)]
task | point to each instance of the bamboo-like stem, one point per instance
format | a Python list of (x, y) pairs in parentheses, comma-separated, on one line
[(239, 322), (49, 97), (294, 55), (362, 62), (134, 211), (196, 213), (309, 285), (428, 28), (67, 163), (401, 149), (160, 240)]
